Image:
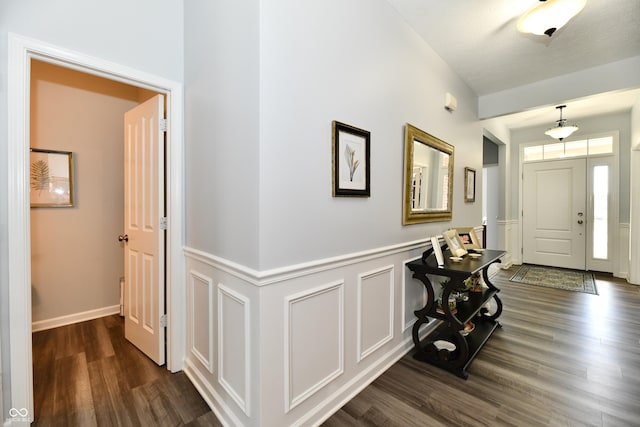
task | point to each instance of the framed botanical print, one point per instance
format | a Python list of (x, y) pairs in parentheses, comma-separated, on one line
[(350, 160), (51, 178)]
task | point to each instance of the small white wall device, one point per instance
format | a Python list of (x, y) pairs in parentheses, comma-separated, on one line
[(450, 102)]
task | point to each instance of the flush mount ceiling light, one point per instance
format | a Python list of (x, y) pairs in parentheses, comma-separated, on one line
[(549, 16), (561, 129)]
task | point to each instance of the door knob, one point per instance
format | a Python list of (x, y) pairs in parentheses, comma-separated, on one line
[(123, 238), (579, 221)]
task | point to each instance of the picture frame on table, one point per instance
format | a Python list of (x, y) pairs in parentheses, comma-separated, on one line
[(468, 237), (51, 178), (437, 250), (456, 247), (350, 160)]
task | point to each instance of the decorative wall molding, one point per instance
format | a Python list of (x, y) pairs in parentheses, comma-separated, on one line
[(360, 381), (242, 398), (305, 309), (69, 319), (386, 298), (312, 382), (276, 275), (201, 284), (509, 235)]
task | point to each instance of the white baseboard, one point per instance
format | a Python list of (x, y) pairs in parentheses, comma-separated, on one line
[(69, 319), (218, 405)]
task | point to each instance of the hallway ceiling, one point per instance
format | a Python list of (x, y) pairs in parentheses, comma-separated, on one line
[(479, 40)]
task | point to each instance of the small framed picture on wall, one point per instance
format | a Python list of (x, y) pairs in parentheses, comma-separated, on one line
[(350, 160), (51, 178), (469, 185)]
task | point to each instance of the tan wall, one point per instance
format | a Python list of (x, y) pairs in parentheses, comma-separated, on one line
[(76, 260)]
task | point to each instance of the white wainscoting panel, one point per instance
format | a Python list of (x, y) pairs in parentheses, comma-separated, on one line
[(234, 346), (201, 318), (509, 238), (375, 310), (286, 342), (621, 263), (314, 341)]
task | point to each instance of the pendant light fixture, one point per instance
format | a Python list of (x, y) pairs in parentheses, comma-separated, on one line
[(561, 130), (549, 15)]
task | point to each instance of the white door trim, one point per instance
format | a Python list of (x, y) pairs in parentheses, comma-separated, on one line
[(20, 52), (615, 212)]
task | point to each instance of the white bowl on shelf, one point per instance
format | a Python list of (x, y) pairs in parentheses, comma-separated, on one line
[(444, 345)]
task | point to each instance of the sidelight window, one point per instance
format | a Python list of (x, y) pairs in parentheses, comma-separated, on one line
[(600, 221)]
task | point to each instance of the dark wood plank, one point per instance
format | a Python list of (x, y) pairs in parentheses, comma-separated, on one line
[(177, 389), (206, 420), (96, 339), (113, 399), (87, 374)]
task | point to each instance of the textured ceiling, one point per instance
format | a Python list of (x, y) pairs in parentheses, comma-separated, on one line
[(479, 40)]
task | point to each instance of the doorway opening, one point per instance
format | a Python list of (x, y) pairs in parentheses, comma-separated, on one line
[(21, 52), (569, 203), (76, 260), (490, 192)]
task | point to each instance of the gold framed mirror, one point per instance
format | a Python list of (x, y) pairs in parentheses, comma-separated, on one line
[(428, 178)]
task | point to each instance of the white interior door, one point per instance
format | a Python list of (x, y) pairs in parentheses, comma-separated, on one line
[(144, 236), (554, 213)]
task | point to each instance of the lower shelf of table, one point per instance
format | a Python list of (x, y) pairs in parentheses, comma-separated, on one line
[(455, 361)]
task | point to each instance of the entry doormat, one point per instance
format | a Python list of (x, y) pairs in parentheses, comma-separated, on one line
[(559, 278)]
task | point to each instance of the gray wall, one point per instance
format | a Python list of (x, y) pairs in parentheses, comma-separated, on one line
[(258, 127), (222, 128), (489, 152)]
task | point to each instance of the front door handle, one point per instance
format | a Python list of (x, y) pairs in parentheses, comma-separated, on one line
[(123, 238)]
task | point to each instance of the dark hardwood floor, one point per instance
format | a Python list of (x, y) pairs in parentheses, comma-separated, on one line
[(87, 374), (561, 359)]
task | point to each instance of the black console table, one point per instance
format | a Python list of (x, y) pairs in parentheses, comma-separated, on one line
[(449, 346)]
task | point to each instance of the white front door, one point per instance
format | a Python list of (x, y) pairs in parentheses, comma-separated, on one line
[(144, 236), (554, 213)]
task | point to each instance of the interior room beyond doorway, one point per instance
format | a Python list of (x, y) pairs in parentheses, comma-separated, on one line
[(76, 260)]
